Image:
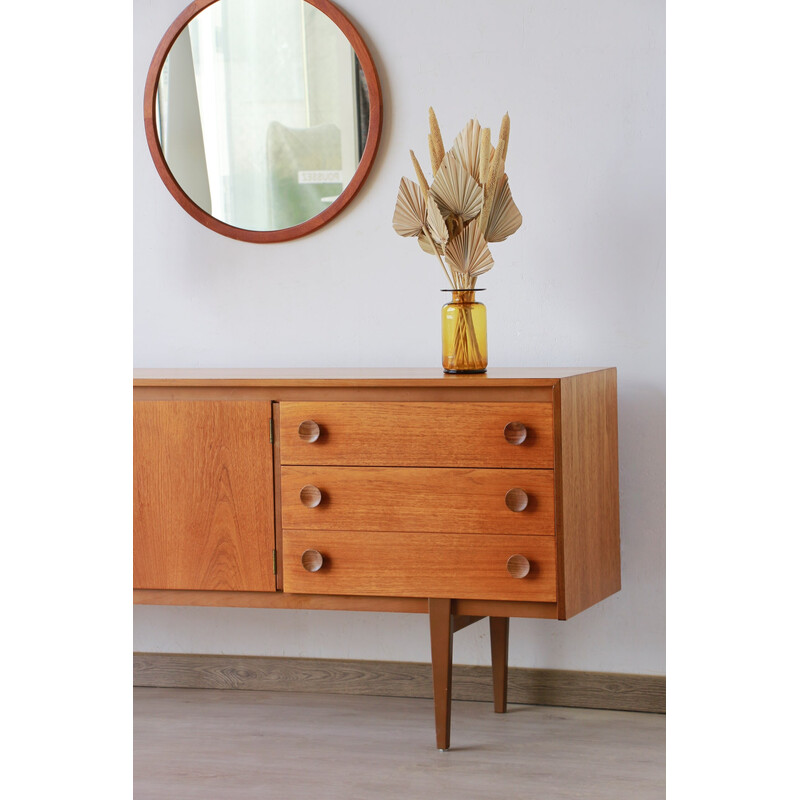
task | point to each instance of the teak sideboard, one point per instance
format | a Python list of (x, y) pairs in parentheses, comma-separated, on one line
[(459, 496)]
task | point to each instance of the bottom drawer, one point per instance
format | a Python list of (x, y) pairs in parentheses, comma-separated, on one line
[(469, 566)]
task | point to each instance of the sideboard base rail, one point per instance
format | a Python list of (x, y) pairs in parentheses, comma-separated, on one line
[(329, 602)]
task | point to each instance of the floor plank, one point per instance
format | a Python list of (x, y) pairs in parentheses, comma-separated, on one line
[(236, 745)]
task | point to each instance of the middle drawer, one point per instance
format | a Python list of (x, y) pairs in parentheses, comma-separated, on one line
[(434, 500)]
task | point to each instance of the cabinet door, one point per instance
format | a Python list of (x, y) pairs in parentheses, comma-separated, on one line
[(203, 513)]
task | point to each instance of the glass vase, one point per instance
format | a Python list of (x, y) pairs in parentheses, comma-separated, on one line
[(464, 333)]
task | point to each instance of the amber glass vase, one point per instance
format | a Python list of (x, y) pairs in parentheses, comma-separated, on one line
[(464, 332)]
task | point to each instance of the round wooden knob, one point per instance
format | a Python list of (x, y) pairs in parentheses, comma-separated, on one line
[(515, 432), (518, 566), (310, 496), (308, 430), (312, 560), (517, 499)]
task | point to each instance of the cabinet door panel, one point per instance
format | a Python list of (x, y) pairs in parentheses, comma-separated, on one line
[(203, 515)]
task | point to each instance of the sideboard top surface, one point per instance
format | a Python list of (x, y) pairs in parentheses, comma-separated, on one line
[(541, 376)]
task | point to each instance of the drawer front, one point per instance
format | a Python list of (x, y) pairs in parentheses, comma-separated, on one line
[(419, 565), (418, 499), (465, 434)]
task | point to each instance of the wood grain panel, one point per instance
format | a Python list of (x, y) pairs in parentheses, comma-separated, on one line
[(203, 516), (588, 473), (441, 627), (276, 487), (418, 499), (418, 434), (400, 378), (219, 599), (420, 565), (370, 391), (549, 687), (407, 605)]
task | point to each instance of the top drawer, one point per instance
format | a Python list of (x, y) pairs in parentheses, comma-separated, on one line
[(392, 434)]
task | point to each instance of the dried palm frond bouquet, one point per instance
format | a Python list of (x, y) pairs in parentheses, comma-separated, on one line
[(466, 205)]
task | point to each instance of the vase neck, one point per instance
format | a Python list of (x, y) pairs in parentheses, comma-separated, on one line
[(463, 296)]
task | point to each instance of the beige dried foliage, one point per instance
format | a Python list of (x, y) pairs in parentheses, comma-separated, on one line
[(467, 204), (409, 211), (423, 182), (496, 171), (504, 217), (436, 144), (467, 147), (456, 191), (429, 247), (502, 137), (468, 253), (433, 154), (437, 227), (485, 155)]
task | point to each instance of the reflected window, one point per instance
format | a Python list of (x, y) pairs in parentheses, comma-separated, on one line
[(262, 112)]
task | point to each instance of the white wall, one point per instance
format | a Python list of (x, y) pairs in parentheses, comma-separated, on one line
[(581, 283)]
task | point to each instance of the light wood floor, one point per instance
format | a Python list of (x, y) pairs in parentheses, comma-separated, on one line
[(231, 745)]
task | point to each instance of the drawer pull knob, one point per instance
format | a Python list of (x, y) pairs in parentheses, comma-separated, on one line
[(515, 432), (518, 566), (310, 496), (517, 499), (308, 430), (311, 560)]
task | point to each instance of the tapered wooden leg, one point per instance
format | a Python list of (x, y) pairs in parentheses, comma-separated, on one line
[(498, 635), (440, 613)]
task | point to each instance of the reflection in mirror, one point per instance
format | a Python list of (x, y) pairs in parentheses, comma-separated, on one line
[(262, 112)]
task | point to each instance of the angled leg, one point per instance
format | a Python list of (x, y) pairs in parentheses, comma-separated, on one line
[(498, 635), (441, 620)]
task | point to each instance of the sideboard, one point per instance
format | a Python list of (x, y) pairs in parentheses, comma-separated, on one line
[(458, 496)]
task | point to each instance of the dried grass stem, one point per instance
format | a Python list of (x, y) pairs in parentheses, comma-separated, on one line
[(496, 171), (485, 154), (420, 175), (435, 141)]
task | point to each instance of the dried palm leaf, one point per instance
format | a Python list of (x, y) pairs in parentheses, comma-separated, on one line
[(429, 247), (456, 191), (467, 148), (409, 212), (420, 175), (468, 253), (437, 227), (504, 217)]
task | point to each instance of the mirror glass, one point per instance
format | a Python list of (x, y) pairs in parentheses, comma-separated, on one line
[(262, 112)]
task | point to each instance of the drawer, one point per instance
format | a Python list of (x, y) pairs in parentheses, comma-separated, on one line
[(420, 565), (433, 500), (461, 434)]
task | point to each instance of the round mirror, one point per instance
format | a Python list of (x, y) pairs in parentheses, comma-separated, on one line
[(263, 116)]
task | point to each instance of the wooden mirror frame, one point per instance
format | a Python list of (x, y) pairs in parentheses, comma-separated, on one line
[(349, 191)]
